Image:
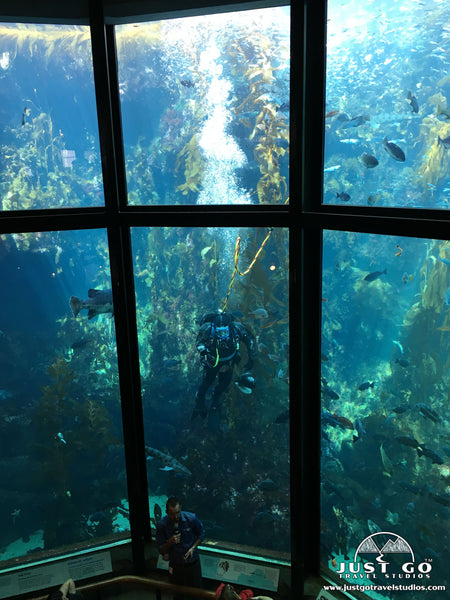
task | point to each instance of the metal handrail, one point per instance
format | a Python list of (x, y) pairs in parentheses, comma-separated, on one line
[(144, 581)]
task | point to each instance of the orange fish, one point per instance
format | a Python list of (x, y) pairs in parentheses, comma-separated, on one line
[(334, 562), (332, 113), (400, 250)]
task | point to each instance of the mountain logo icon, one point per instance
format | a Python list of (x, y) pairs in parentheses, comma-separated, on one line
[(384, 542)]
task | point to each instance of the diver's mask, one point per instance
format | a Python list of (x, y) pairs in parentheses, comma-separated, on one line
[(223, 333)]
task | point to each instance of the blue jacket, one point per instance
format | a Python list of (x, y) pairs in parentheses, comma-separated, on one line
[(190, 529)]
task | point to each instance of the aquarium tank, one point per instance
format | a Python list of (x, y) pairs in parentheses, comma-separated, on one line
[(205, 109), (385, 453), (387, 131), (214, 460), (62, 466), (385, 468), (49, 147)]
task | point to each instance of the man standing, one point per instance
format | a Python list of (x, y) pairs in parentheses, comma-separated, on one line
[(178, 534)]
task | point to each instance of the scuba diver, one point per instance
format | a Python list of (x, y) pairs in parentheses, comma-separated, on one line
[(218, 344)]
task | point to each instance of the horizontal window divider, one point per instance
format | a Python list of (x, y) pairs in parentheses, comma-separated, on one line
[(402, 222)]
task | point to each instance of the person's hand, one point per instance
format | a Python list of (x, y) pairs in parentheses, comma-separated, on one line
[(206, 358), (175, 539), (189, 553), (68, 587)]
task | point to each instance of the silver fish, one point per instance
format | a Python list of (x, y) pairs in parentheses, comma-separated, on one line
[(170, 463)]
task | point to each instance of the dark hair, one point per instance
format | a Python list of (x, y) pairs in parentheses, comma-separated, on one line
[(172, 502)]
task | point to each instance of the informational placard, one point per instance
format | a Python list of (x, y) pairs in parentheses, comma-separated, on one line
[(53, 575), (245, 574)]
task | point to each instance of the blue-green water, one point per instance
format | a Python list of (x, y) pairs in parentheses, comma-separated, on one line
[(206, 120), (387, 76)]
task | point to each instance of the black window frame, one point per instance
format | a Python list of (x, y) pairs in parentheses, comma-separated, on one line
[(306, 217)]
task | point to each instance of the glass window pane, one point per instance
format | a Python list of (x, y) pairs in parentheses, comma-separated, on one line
[(49, 147), (387, 132), (212, 436), (62, 462), (385, 447), (205, 108)]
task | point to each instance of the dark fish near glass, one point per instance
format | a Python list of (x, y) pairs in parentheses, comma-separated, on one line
[(368, 160), (394, 150), (97, 302), (343, 196), (402, 362), (366, 385), (374, 275), (445, 142), (413, 102)]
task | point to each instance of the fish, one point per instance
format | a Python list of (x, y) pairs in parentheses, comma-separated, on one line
[(329, 393), (343, 196), (447, 297), (375, 275), (259, 313), (332, 168), (332, 113), (268, 485), (399, 346), (387, 463), (407, 441), (394, 150), (400, 409), (368, 160), (354, 121), (167, 460), (413, 102), (343, 421), (399, 250), (435, 458), (445, 142), (25, 113), (360, 430), (402, 362), (407, 278), (246, 383), (391, 517), (97, 302), (428, 413), (187, 83), (366, 385), (373, 199)]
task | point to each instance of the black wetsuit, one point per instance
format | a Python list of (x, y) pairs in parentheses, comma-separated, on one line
[(219, 356)]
